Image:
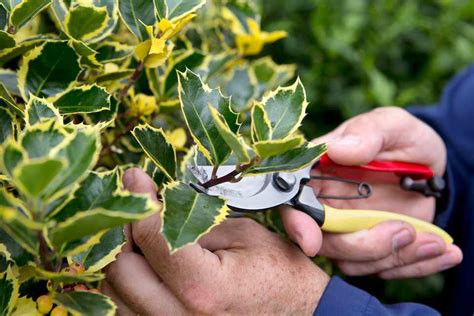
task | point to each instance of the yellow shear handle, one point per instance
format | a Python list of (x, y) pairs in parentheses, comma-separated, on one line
[(348, 221)]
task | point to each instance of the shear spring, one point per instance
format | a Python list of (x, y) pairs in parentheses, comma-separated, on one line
[(364, 190)]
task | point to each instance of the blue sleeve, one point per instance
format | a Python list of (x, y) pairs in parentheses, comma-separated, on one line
[(453, 120), (340, 298)]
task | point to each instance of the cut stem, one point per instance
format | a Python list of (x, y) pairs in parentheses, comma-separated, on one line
[(231, 176)]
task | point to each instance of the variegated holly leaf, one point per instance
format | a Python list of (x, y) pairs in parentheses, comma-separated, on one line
[(84, 22), (6, 40), (9, 288), (87, 55), (241, 84), (136, 14), (106, 117), (286, 108), (7, 101), (84, 99), (102, 253), (154, 172), (65, 277), (261, 127), (291, 160), (195, 98), (176, 9), (40, 77), (109, 52), (270, 75), (18, 254), (3, 16), (97, 205), (233, 140), (17, 226), (19, 49), (39, 110), (85, 303), (188, 215), (25, 10), (156, 145), (9, 79), (6, 124), (269, 148)]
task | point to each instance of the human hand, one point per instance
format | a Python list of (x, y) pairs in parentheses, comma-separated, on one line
[(391, 249), (238, 268)]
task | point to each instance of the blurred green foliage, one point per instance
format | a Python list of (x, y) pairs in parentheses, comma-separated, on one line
[(354, 55)]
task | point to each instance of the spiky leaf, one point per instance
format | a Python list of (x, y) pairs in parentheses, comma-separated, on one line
[(80, 16), (26, 10), (188, 215), (85, 303), (84, 99)]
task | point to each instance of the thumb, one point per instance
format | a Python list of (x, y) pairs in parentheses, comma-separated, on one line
[(359, 142)]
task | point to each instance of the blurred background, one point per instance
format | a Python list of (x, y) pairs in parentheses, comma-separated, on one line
[(356, 55)]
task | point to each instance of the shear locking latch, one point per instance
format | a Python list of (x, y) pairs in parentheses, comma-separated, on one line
[(431, 187)]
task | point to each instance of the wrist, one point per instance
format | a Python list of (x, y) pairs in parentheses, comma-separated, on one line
[(317, 281)]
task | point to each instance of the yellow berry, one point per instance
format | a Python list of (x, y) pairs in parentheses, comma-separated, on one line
[(44, 304), (58, 311)]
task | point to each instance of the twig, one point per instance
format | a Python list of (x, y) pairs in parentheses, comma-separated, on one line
[(133, 79), (231, 176)]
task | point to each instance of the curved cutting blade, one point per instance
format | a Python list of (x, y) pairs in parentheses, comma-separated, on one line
[(252, 192)]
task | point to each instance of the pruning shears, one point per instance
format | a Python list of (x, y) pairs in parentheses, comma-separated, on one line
[(260, 193)]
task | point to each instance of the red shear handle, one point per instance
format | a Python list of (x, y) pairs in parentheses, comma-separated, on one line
[(377, 170)]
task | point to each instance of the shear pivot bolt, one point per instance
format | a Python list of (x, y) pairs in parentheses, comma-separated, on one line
[(285, 181)]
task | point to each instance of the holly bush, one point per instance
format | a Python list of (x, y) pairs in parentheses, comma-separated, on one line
[(90, 88)]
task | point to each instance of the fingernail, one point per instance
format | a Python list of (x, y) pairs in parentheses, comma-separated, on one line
[(349, 140), (429, 250), (401, 239), (448, 261)]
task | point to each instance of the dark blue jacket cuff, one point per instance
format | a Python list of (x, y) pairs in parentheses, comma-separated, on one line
[(340, 298)]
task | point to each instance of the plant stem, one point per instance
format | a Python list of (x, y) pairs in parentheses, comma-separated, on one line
[(133, 79), (231, 176), (45, 253)]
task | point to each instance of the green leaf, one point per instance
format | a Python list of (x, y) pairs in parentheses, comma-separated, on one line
[(3, 16), (195, 99), (39, 141), (18, 227), (154, 172), (41, 77), (85, 22), (270, 75), (85, 303), (26, 10), (9, 79), (35, 176), (136, 14), (103, 253), (5, 258), (292, 160), (269, 148), (233, 140), (87, 55), (95, 191), (6, 40), (158, 148), (11, 155), (261, 127), (6, 124), (20, 49), (104, 116), (241, 85), (110, 52), (176, 9), (114, 76), (17, 252), (188, 215), (286, 108), (84, 99), (9, 288), (64, 276), (118, 210), (81, 153), (38, 110)]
